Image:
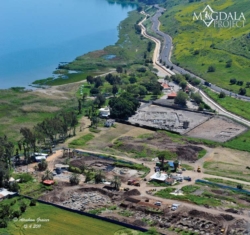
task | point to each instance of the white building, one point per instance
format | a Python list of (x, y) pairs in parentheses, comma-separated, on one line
[(104, 112)]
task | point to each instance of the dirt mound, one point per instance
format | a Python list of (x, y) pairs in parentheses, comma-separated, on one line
[(77, 162), (133, 192), (227, 217), (187, 152), (232, 211), (217, 191)]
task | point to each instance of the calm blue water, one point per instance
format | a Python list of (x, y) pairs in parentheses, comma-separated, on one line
[(36, 35)]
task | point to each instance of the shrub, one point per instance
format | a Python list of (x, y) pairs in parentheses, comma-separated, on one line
[(222, 94), (33, 202), (75, 169), (16, 214), (24, 178), (211, 68), (74, 179), (42, 166), (14, 187), (23, 206), (3, 223)]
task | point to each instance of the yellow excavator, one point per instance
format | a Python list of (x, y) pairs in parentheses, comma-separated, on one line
[(198, 169)]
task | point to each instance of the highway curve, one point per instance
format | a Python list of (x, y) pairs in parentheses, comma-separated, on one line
[(165, 54)]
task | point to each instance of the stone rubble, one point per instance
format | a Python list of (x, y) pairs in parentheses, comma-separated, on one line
[(80, 202)]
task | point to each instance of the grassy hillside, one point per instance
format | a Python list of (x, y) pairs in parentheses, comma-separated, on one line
[(213, 46)]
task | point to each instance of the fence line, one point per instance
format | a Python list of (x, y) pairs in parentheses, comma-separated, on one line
[(90, 215), (223, 186)]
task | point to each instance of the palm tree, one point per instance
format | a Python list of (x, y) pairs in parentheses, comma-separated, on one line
[(74, 179), (42, 165), (116, 182), (99, 177), (48, 175)]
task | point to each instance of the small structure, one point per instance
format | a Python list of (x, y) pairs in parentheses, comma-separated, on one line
[(48, 182), (104, 112), (185, 124), (159, 176), (41, 154), (166, 87), (171, 165), (172, 95), (62, 166), (5, 193), (109, 123), (40, 158)]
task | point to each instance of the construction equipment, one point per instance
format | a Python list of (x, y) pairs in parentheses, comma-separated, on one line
[(134, 182), (198, 169)]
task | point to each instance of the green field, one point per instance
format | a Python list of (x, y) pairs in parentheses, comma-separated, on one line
[(236, 106), (213, 46), (81, 141), (25, 109), (60, 222)]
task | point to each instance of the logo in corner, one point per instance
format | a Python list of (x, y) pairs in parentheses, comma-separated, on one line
[(220, 19)]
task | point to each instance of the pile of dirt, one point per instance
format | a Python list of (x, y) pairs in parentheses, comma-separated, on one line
[(133, 192), (77, 163), (231, 210), (227, 217), (217, 191), (188, 152)]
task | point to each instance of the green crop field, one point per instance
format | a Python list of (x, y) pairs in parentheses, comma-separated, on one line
[(214, 46), (59, 222)]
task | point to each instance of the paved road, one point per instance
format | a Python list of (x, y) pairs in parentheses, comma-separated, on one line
[(167, 51), (165, 54)]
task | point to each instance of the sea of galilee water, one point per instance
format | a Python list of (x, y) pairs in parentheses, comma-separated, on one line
[(36, 35)]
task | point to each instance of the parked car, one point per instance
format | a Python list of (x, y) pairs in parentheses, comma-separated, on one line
[(175, 207), (187, 178), (158, 203)]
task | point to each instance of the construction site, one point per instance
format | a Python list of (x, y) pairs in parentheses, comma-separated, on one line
[(133, 208)]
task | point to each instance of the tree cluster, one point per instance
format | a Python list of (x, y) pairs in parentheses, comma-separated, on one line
[(113, 79), (123, 106)]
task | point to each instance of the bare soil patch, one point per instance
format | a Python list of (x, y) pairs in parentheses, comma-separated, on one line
[(218, 128), (157, 142)]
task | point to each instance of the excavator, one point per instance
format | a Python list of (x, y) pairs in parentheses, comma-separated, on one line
[(198, 169)]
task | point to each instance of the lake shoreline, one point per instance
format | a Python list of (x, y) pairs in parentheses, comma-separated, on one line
[(107, 31)]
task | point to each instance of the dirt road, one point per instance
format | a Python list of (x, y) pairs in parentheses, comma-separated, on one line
[(194, 175)]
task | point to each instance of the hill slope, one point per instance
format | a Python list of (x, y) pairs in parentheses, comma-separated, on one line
[(196, 47)]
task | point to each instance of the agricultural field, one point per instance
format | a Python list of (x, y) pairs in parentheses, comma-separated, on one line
[(197, 47), (59, 221)]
